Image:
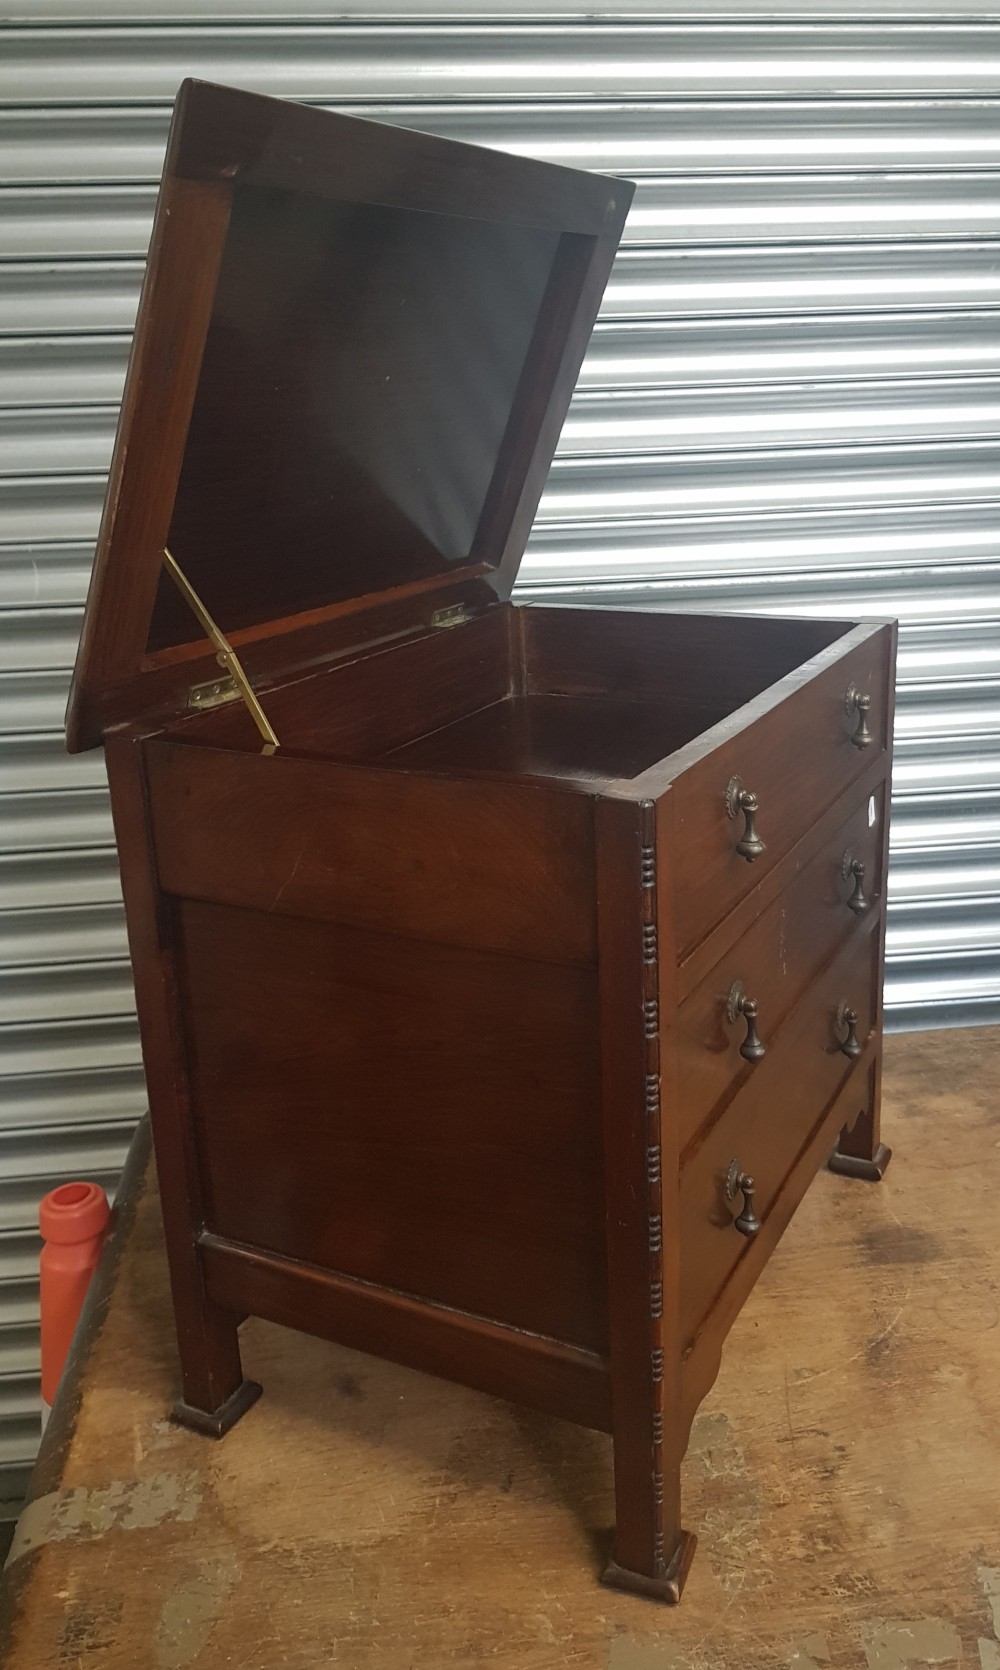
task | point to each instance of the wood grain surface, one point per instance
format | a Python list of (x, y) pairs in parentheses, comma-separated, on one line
[(844, 1473)]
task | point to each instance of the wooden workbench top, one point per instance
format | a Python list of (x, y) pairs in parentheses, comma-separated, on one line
[(843, 1476)]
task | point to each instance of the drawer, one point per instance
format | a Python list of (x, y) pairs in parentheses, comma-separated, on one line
[(798, 758), (768, 1123), (774, 961)]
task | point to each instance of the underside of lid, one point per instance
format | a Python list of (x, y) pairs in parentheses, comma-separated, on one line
[(354, 352)]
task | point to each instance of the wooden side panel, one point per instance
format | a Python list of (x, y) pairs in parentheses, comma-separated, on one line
[(358, 707), (501, 866), (418, 1116), (560, 1379), (701, 667), (861, 1139)]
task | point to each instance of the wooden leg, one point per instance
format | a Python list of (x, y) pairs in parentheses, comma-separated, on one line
[(859, 1151), (652, 1553), (215, 1392)]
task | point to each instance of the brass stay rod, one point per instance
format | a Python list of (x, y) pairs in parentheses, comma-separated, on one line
[(225, 653)]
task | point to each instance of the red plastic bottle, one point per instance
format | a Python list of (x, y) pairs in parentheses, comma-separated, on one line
[(73, 1220)]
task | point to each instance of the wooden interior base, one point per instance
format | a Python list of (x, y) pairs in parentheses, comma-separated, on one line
[(667, 1588), (854, 1165), (217, 1422)]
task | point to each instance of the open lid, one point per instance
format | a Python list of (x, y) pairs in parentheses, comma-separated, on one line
[(354, 353)]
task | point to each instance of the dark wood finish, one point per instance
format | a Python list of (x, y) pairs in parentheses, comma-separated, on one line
[(702, 1356), (765, 1126), (423, 1138), (219, 1422), (536, 735), (494, 865), (431, 997), (773, 883), (174, 310), (340, 711), (704, 667), (223, 132), (211, 1374), (796, 758), (250, 354), (860, 1151), (652, 1551), (779, 956), (870, 1168), (543, 1373)]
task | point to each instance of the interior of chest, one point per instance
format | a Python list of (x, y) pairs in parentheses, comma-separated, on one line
[(577, 694), (370, 397)]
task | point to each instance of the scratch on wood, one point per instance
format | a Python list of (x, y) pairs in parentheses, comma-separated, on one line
[(788, 1408), (275, 902), (123, 1505)]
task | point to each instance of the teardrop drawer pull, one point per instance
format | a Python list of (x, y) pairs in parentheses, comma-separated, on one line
[(737, 1004), (748, 1222), (739, 799), (859, 702), (858, 901), (848, 1017)]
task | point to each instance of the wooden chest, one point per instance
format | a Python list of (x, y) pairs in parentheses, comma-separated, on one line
[(500, 1004)]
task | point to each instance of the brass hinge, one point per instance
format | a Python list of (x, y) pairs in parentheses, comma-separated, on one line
[(218, 690), (215, 692), (455, 614)]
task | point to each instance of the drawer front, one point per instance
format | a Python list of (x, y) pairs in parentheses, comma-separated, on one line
[(773, 963), (767, 1124), (797, 759)]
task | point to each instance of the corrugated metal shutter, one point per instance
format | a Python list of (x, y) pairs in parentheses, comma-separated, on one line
[(792, 404)]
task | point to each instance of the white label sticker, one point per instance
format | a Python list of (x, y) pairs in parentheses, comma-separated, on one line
[(872, 813)]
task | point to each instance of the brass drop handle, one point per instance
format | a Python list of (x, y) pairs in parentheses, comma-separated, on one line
[(858, 901), (737, 1004), (848, 1017), (859, 702), (747, 1222), (739, 799)]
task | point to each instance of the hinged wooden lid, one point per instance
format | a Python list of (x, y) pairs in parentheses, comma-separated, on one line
[(354, 353)]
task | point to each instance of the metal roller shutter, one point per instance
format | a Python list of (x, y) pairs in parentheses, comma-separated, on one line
[(792, 403)]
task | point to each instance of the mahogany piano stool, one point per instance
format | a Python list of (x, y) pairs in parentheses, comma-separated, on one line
[(504, 974)]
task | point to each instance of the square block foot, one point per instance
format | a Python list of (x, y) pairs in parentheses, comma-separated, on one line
[(850, 1165), (667, 1588), (216, 1423)]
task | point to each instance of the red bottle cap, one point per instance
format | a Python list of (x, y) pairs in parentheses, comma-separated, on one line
[(73, 1212)]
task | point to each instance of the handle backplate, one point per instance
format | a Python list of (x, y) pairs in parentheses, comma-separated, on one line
[(859, 702), (847, 1021), (739, 799), (737, 1180), (737, 1004), (855, 867)]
